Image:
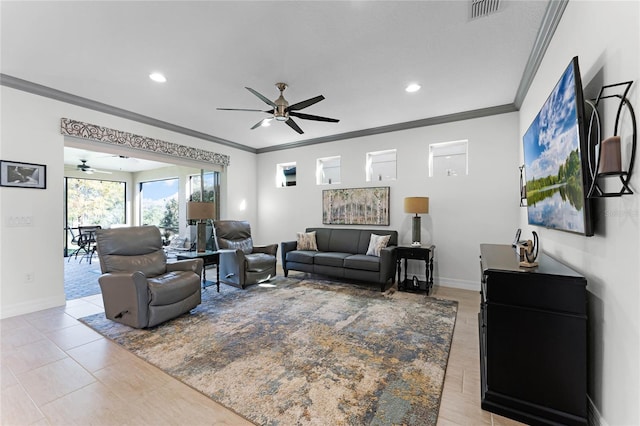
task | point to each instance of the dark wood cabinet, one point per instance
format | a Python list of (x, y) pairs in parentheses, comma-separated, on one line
[(533, 339)]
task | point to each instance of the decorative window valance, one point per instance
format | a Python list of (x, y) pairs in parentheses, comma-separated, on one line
[(119, 138)]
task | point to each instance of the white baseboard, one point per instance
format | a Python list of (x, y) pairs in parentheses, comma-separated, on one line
[(455, 283), (30, 306), (593, 415)]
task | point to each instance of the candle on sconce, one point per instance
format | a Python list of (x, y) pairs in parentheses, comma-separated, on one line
[(610, 155)]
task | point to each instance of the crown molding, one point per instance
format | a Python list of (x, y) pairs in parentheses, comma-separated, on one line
[(432, 121), (550, 21), (48, 92)]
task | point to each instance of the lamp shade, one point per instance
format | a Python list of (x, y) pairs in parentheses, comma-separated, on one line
[(416, 205), (199, 210)]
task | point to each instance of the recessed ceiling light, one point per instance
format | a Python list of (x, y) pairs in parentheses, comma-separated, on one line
[(413, 87), (157, 77)]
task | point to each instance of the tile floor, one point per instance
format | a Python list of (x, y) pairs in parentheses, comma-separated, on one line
[(57, 371)]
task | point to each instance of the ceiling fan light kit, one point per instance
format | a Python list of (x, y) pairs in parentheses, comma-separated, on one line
[(282, 111)]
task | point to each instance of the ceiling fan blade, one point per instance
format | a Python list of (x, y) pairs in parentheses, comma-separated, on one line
[(304, 104), (262, 97), (313, 117), (239, 109), (294, 126), (260, 123)]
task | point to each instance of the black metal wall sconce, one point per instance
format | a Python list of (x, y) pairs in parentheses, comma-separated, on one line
[(607, 153), (523, 188)]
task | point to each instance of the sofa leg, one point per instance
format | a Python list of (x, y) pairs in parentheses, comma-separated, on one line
[(286, 273)]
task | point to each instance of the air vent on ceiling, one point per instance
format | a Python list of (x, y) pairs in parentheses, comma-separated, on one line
[(480, 8)]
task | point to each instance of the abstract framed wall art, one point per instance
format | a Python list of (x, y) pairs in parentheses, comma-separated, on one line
[(356, 206), (23, 175)]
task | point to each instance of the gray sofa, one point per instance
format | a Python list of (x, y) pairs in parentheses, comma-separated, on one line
[(342, 253)]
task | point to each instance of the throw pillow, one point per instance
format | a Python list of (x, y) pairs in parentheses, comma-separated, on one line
[(377, 243), (307, 241)]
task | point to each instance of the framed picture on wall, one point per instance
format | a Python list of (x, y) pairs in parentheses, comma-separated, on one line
[(356, 206), (23, 175)]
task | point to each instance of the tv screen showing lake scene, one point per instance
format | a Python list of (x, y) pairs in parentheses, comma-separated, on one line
[(553, 163)]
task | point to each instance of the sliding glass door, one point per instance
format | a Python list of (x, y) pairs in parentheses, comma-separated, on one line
[(91, 202)]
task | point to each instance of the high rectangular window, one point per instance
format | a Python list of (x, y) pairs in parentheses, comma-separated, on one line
[(448, 159), (328, 170), (381, 165), (286, 174)]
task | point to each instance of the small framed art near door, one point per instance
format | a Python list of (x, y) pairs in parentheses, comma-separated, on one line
[(23, 175)]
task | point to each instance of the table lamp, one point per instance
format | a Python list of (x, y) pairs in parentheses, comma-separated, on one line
[(417, 205), (200, 211)]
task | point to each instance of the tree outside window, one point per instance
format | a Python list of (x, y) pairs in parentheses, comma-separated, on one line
[(95, 202), (92, 202), (159, 205)]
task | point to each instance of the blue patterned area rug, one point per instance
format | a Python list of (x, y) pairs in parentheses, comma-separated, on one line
[(306, 351)]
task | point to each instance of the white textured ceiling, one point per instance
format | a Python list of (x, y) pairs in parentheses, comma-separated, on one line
[(358, 54)]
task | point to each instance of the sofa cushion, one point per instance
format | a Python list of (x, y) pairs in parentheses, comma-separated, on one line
[(331, 258), (344, 241), (363, 262), (306, 241), (322, 237), (301, 256)]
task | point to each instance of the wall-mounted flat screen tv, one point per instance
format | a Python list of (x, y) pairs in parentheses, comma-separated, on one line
[(555, 157)]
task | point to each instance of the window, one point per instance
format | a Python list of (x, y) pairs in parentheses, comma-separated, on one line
[(381, 165), (448, 159), (286, 174), (159, 205), (328, 170), (211, 189), (92, 202)]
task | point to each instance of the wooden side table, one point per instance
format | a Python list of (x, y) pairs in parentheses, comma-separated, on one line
[(210, 258), (424, 253)]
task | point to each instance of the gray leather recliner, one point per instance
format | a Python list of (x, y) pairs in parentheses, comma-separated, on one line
[(139, 288), (242, 263)]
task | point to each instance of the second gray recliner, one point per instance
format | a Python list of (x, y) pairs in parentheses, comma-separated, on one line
[(242, 263)]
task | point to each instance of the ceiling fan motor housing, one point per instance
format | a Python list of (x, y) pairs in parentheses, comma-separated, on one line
[(280, 112)]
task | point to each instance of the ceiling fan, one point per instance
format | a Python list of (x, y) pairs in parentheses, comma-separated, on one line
[(84, 167), (282, 111)]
